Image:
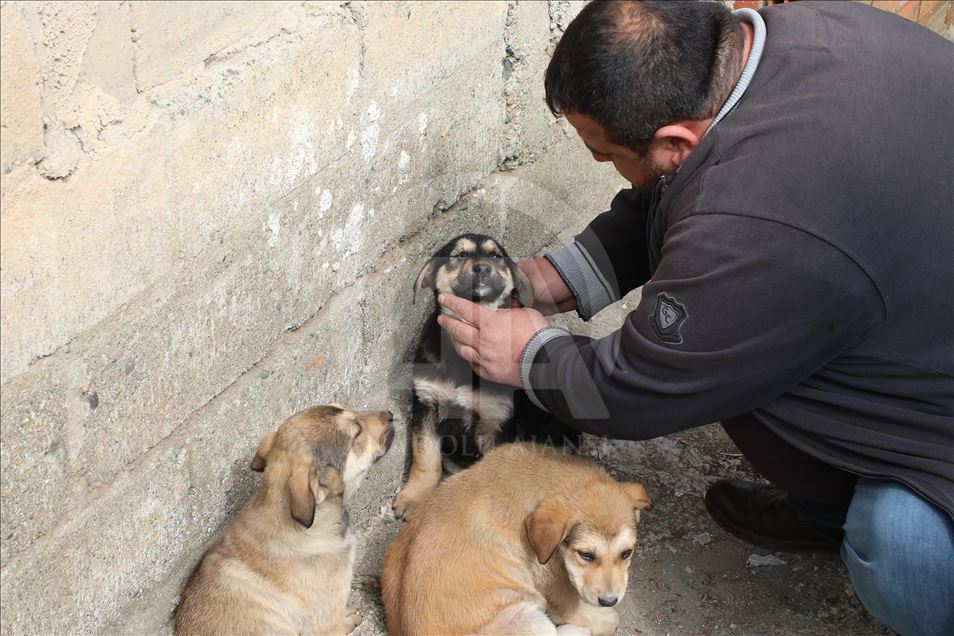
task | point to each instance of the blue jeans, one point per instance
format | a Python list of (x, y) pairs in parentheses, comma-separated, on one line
[(899, 549)]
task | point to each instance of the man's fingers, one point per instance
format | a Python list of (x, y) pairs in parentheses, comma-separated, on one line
[(460, 332), (469, 354), (468, 311)]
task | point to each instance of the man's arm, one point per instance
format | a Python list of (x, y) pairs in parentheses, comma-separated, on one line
[(739, 311), (550, 293), (605, 261)]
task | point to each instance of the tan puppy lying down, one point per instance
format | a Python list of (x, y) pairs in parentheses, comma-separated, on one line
[(284, 566), (526, 540)]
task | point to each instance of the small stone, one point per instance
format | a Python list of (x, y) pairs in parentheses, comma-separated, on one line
[(129, 368), (758, 560), (703, 538), (263, 374), (93, 399)]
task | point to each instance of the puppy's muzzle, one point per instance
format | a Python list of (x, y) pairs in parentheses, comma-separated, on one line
[(484, 284), (608, 601), (388, 438)]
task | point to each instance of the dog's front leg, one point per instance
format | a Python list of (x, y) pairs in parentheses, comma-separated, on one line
[(351, 619), (343, 624), (425, 470), (601, 621), (565, 603)]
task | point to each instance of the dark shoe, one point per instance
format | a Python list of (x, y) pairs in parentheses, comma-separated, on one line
[(765, 516)]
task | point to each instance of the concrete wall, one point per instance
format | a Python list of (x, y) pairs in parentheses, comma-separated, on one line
[(212, 216)]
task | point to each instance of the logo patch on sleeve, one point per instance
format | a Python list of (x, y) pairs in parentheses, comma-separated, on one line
[(667, 319)]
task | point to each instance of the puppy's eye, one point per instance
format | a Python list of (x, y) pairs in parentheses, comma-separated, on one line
[(586, 556), (626, 554)]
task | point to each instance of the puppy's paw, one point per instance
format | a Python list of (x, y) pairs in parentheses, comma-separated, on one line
[(404, 504), (573, 630), (352, 619)]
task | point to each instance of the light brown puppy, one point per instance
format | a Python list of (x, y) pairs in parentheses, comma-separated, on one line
[(526, 540), (284, 565)]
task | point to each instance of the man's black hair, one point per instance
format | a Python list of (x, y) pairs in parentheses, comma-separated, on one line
[(637, 66)]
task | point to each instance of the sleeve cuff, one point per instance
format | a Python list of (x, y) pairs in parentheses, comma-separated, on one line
[(529, 353), (580, 273)]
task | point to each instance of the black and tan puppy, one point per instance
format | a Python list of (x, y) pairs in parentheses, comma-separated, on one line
[(284, 566), (456, 415)]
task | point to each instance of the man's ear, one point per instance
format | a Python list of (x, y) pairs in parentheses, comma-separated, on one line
[(672, 145), (425, 279), (638, 497), (522, 286), (547, 527), (261, 455)]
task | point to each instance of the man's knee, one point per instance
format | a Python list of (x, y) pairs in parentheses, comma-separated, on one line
[(899, 550)]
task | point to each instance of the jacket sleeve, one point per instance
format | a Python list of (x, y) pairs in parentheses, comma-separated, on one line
[(608, 259), (739, 311)]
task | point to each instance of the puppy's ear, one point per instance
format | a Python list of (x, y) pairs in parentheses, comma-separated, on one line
[(638, 497), (522, 286), (547, 527), (425, 279), (261, 455), (303, 491), (330, 484)]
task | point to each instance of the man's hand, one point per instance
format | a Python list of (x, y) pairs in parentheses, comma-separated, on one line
[(550, 293), (491, 341)]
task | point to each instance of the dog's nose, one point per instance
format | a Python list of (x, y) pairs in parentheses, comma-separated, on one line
[(608, 601), (390, 416), (482, 269)]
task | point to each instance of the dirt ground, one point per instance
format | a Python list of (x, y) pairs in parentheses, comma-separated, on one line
[(688, 575)]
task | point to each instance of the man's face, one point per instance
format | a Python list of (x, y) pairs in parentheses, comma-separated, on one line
[(638, 169)]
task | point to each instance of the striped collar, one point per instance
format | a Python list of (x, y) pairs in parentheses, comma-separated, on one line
[(755, 54)]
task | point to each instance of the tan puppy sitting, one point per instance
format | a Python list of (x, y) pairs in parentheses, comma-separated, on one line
[(526, 540), (285, 564)]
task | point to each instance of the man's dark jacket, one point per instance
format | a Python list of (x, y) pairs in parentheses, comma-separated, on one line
[(806, 266)]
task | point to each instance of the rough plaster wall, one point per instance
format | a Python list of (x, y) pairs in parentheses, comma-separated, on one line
[(212, 215)]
